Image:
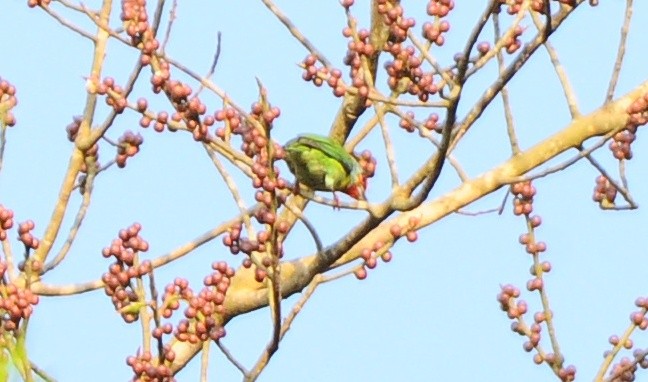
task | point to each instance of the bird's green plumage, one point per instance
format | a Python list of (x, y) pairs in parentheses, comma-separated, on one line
[(321, 163)]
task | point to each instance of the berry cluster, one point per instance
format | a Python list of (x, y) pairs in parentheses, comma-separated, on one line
[(7, 102), (367, 162), (160, 76), (639, 317), (16, 306), (128, 146), (116, 95), (38, 3), (433, 31), (6, 221), (397, 230), (91, 158), (236, 243), (161, 118), (173, 293), (514, 6), (638, 111), (92, 154), (626, 368), (370, 259), (515, 310), (392, 13), (409, 124), (358, 47), (144, 368), (440, 8), (523, 200), (199, 323), (257, 145), (620, 144), (318, 75), (255, 139), (604, 191), (483, 48), (512, 42), (117, 281), (508, 297), (509, 303), (188, 109), (405, 73), (531, 246), (138, 28), (370, 255), (232, 121), (73, 128), (16, 303), (25, 235), (533, 336)]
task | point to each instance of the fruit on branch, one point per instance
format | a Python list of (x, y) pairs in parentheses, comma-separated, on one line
[(322, 164)]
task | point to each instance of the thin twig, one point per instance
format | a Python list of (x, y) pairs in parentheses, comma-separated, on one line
[(389, 146), (167, 32), (212, 68), (231, 358), (77, 157), (622, 173), (352, 142), (144, 314), (487, 97), (583, 153), (299, 305), (41, 373), (568, 90), (431, 170), (499, 44), (544, 298), (156, 312), (8, 258), (204, 362), (67, 4), (71, 289), (620, 52), (296, 33), (430, 59), (429, 135), (157, 16), (69, 24), (622, 190), (233, 188), (3, 142), (78, 220), (103, 168), (484, 212), (508, 113), (309, 226)]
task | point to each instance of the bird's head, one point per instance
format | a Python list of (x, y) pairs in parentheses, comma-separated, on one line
[(357, 189)]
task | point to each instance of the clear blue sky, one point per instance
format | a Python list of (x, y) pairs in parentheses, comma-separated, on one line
[(431, 313)]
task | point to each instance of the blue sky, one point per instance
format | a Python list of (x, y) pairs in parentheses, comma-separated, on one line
[(429, 314)]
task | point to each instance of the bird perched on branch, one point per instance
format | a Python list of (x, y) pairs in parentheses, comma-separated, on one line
[(322, 164)]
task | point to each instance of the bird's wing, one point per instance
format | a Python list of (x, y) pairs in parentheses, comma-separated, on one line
[(330, 149)]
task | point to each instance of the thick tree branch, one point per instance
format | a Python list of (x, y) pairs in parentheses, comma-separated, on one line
[(245, 294)]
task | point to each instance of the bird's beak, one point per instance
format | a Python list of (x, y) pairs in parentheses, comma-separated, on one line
[(356, 192)]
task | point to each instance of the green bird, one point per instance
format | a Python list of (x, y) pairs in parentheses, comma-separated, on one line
[(324, 165)]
